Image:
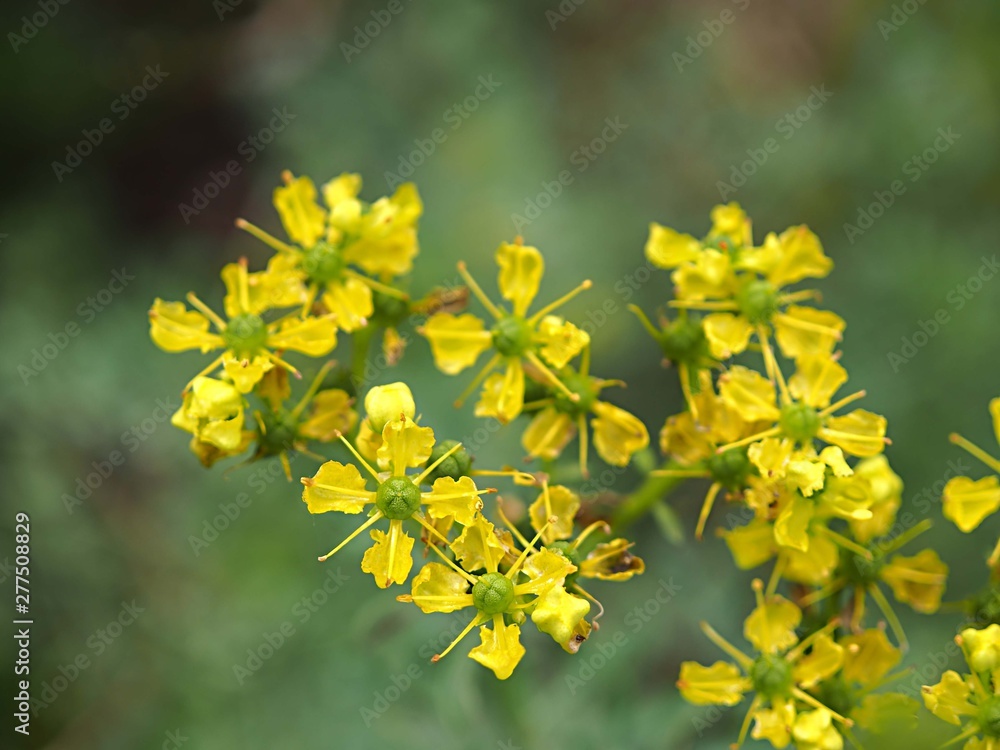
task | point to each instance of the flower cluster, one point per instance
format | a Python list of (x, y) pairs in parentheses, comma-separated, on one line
[(341, 272), (800, 470)]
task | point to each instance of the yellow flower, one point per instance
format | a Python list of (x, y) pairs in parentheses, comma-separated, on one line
[(495, 596), (248, 343), (779, 676), (212, 411), (618, 434), (398, 497), (968, 502), (380, 239), (516, 337), (742, 287), (384, 403), (801, 409), (971, 701)]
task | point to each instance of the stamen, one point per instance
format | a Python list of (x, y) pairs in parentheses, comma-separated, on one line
[(773, 366), (801, 296), (524, 555), (478, 291), (803, 696), (837, 405), (747, 440), (282, 363), (361, 528), (211, 367), (207, 311), (837, 584), (495, 360), (745, 728), (704, 305), (645, 321), (273, 242), (744, 660), (806, 325), (358, 456), (313, 388), (596, 525), (426, 472), (846, 543), (975, 450), (706, 509), (394, 529), (551, 376), (684, 373), (478, 619), (581, 426), (906, 537), (890, 616), (586, 595), (584, 286), (389, 291), (758, 594), (451, 563)]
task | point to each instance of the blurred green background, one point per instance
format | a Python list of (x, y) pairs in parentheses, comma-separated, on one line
[(895, 74)]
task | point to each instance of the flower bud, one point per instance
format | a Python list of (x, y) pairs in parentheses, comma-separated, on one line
[(385, 403)]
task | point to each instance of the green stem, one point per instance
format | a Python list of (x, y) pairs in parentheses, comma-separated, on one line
[(361, 340), (642, 501)]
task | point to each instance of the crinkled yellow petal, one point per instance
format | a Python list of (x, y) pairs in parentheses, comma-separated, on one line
[(501, 648), (246, 373), (813, 567), (405, 445), (797, 333), (749, 394), (368, 441), (312, 336), (456, 340), (667, 248), (330, 414), (730, 220), (444, 589), (387, 239), (681, 439), (721, 684), (814, 730), (709, 276), (174, 328), (612, 561), (343, 188), (478, 547), (727, 334), (209, 398), (771, 456), (949, 698), (968, 502), (806, 476), (544, 569), (833, 457), (860, 433), (761, 259), (791, 529), (801, 257), (338, 487), (824, 659), (304, 220), (350, 301), (521, 269), (548, 433), (982, 647), (456, 499), (751, 545), (558, 613), (562, 505), (775, 724), (618, 434), (397, 545), (771, 626), (559, 340), (868, 657), (502, 396), (208, 454), (279, 286), (816, 379), (226, 434), (918, 581), (886, 490)]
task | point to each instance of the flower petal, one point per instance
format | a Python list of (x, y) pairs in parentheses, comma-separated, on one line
[(727, 334), (618, 434), (478, 547), (968, 502), (304, 220), (949, 698), (721, 684), (502, 396), (824, 659), (559, 340), (860, 433), (558, 613), (667, 248), (350, 301), (397, 545), (312, 336), (612, 561), (246, 373), (816, 379), (749, 394), (521, 269), (710, 276), (548, 433), (456, 340), (330, 414), (868, 657), (174, 328), (405, 445), (806, 331), (501, 648), (771, 626), (446, 590), (918, 581), (338, 487), (455, 499), (562, 504), (801, 257)]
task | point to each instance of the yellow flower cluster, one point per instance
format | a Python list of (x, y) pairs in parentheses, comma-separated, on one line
[(807, 487)]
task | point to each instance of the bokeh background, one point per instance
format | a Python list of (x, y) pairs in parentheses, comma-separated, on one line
[(895, 74)]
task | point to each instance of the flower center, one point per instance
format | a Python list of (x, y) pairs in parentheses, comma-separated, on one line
[(512, 336), (758, 301), (800, 422), (584, 387), (457, 465), (493, 593), (859, 570), (683, 340), (397, 498), (771, 676), (323, 263), (245, 334), (989, 716), (730, 469), (278, 434)]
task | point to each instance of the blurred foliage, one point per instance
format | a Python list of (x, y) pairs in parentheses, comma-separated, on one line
[(560, 78)]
